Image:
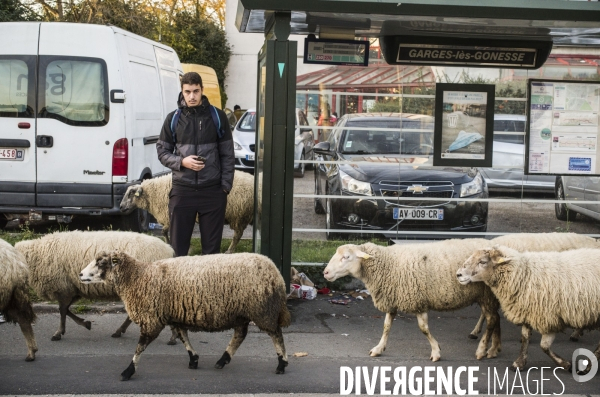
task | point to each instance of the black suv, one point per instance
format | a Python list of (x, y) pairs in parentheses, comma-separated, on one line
[(395, 153)]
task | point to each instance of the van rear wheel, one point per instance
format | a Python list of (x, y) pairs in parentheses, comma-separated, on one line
[(137, 221)]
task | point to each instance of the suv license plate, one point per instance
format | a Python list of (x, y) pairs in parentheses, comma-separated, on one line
[(250, 157), (436, 214), (11, 154)]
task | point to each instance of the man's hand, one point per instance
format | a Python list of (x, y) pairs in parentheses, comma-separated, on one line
[(191, 163)]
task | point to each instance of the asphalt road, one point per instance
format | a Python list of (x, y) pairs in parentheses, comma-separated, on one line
[(333, 336)]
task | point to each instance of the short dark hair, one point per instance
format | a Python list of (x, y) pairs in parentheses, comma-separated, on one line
[(237, 107), (191, 78)]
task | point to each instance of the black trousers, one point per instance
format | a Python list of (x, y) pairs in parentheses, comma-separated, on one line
[(209, 204)]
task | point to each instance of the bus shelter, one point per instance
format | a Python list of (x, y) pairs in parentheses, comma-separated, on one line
[(438, 158)]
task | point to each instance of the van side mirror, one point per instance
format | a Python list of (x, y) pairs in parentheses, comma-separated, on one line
[(323, 148)]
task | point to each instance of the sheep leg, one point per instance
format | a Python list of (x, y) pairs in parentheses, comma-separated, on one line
[(79, 320), (546, 343), (27, 331), (577, 333), (122, 328), (422, 319), (183, 335), (589, 366), (62, 309), (521, 361), (277, 337), (173, 340), (146, 337), (492, 331), (477, 330), (237, 235), (236, 340), (387, 326)]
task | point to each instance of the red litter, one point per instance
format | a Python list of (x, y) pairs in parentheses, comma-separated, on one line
[(324, 291)]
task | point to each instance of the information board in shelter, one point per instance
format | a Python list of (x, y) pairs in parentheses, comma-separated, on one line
[(563, 128)]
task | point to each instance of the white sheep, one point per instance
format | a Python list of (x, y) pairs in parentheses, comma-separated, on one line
[(211, 293), (545, 291), (540, 242), (56, 259), (417, 278), (153, 195), (14, 294)]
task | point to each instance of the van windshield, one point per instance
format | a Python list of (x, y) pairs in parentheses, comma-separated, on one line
[(16, 93)]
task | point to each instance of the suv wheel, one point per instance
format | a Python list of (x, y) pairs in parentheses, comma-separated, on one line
[(329, 223), (300, 172), (561, 210), (137, 221), (318, 203)]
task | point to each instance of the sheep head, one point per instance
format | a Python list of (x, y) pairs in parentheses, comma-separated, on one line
[(347, 260), (98, 269), (133, 198), (481, 264)]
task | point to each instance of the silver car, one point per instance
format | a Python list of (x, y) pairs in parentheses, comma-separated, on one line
[(580, 188), (509, 154), (244, 140)]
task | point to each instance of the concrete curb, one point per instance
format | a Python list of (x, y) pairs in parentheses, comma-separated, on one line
[(108, 307)]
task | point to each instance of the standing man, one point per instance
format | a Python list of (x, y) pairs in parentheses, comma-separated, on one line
[(196, 143)]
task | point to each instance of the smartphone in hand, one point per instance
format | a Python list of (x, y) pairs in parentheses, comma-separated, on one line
[(201, 158)]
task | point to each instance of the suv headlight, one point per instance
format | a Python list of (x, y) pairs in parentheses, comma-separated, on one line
[(236, 146), (473, 187), (353, 186)]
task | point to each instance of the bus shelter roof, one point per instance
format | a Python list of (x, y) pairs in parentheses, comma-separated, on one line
[(565, 22)]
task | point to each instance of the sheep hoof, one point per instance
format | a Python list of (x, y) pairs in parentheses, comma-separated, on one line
[(55, 337), (471, 336), (193, 360), (434, 358), (514, 367), (374, 352), (116, 335), (172, 342), (574, 339), (492, 354), (225, 359), (128, 373), (281, 366), (29, 358), (567, 368), (87, 324)]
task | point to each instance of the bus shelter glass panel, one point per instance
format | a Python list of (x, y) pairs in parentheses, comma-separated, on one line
[(259, 152), (370, 174)]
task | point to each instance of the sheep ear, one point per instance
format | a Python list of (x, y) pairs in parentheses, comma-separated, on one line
[(114, 258), (362, 255)]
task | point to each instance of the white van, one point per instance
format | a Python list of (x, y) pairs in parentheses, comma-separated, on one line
[(81, 109)]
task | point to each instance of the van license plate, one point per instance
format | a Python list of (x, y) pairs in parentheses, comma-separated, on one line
[(436, 214), (250, 157), (11, 154)]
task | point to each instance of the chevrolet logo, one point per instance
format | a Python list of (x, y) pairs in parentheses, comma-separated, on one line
[(417, 189)]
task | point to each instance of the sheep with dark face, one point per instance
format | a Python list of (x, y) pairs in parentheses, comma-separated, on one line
[(209, 293), (56, 259), (14, 294), (545, 291), (153, 195)]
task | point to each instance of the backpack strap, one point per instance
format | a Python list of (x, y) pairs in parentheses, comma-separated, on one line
[(174, 122), (217, 121)]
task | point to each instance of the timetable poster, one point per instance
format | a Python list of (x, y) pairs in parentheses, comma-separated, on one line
[(563, 128)]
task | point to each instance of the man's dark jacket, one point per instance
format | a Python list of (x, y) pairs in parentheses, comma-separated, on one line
[(197, 135)]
